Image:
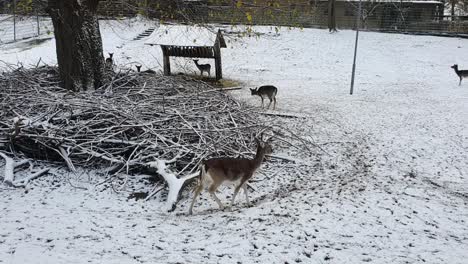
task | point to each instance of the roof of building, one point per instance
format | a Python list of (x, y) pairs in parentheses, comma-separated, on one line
[(182, 35)]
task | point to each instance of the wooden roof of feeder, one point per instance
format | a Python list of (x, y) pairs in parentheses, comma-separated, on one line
[(190, 37), (210, 47)]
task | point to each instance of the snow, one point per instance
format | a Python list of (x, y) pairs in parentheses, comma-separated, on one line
[(174, 184), (390, 185)]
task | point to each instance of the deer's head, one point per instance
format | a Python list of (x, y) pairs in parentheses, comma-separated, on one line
[(253, 91), (264, 146)]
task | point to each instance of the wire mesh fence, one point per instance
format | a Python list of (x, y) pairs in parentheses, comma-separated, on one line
[(21, 20), (14, 28), (404, 16), (425, 16)]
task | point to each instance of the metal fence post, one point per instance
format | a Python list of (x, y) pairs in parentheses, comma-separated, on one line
[(37, 19), (14, 20), (358, 22)]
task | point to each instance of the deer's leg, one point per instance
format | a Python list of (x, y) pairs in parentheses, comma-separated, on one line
[(244, 187), (242, 184), (221, 206), (274, 103), (460, 81), (235, 193), (269, 103), (262, 101), (197, 192), (212, 191)]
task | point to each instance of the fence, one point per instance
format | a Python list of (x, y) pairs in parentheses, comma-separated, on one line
[(14, 27), (399, 16), (18, 21), (403, 16)]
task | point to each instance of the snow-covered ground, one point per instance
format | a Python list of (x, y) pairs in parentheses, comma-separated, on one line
[(390, 186)]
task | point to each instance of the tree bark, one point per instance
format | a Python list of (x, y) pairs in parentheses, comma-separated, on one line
[(331, 16), (78, 43)]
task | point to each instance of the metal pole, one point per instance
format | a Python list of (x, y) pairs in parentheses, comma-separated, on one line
[(37, 20), (358, 22), (14, 20)]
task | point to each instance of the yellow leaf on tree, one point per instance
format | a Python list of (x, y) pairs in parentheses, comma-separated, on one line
[(249, 17)]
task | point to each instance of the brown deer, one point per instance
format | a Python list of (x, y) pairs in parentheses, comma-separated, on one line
[(216, 171), (147, 71), (269, 91), (110, 61), (461, 73), (203, 67)]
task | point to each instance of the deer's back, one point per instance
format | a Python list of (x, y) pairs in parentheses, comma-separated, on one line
[(231, 169), (267, 89), (464, 73)]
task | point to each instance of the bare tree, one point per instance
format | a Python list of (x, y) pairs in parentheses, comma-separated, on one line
[(368, 10), (456, 7), (78, 43)]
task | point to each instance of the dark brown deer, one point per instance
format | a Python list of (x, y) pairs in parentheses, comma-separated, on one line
[(203, 67), (269, 91), (214, 172), (147, 71), (138, 68), (110, 61), (461, 73)]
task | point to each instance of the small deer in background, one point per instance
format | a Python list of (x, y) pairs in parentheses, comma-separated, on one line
[(110, 61), (214, 172), (147, 71), (269, 91), (203, 67), (461, 73)]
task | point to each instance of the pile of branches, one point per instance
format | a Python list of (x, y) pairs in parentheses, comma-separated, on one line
[(136, 119)]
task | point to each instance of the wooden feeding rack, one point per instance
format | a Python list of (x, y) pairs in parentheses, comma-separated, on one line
[(207, 52)]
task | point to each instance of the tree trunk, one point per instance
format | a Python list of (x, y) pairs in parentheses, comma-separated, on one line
[(452, 11), (331, 16), (78, 43)]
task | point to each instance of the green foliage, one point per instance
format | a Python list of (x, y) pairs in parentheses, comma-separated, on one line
[(23, 6)]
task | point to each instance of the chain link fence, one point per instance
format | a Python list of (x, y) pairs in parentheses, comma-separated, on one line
[(402, 16), (417, 17), (22, 19)]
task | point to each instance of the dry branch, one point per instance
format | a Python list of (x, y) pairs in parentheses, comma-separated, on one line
[(9, 174), (134, 120), (25, 181)]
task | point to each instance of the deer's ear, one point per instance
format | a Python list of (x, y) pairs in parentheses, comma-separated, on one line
[(257, 141)]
